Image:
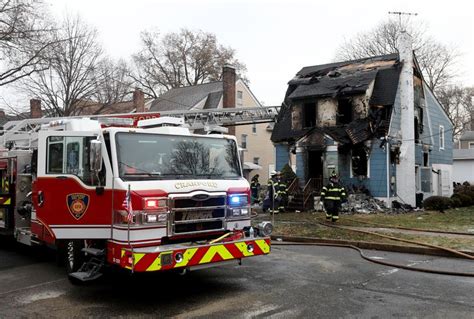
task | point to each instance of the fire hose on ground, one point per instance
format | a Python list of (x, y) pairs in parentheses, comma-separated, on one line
[(386, 263)]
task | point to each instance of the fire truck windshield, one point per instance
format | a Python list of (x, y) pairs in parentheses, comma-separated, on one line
[(159, 156)]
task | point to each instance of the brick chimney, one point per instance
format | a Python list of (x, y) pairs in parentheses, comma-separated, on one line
[(35, 109), (139, 101), (228, 83)]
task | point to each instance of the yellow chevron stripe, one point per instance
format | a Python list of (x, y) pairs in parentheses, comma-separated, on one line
[(156, 265), (123, 253), (137, 257), (213, 250), (188, 254), (242, 246), (7, 202), (262, 244)]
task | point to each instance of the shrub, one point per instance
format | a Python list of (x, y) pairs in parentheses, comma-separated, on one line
[(463, 199), (287, 174), (456, 201), (437, 203)]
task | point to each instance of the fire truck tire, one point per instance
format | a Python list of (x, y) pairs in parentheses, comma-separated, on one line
[(73, 254)]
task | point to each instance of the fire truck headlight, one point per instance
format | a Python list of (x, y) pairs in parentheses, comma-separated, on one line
[(156, 218), (236, 211), (250, 248), (265, 229), (238, 200)]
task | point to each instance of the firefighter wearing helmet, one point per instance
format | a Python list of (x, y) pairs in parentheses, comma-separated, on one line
[(272, 198), (332, 195)]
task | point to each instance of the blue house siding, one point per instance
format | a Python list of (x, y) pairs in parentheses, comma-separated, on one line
[(437, 118), (281, 156), (300, 166), (377, 181)]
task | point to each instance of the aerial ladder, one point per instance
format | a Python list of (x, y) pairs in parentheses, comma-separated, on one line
[(21, 133)]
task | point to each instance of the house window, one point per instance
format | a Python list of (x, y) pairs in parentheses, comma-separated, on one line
[(309, 117), (426, 159), (240, 96), (344, 111), (417, 178), (254, 128), (417, 132), (441, 137), (471, 144), (256, 160), (243, 142), (359, 162)]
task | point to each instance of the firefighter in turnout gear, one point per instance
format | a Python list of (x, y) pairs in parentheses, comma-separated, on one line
[(332, 195), (255, 188), (271, 199), (280, 188)]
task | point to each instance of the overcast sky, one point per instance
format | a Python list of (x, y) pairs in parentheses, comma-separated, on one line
[(273, 38)]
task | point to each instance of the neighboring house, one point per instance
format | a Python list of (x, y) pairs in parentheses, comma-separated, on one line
[(463, 157), (463, 165), (466, 141), (254, 140), (338, 116)]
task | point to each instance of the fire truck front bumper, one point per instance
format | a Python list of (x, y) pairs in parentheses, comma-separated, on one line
[(168, 257)]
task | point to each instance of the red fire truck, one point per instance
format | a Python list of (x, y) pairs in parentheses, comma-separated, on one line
[(144, 195)]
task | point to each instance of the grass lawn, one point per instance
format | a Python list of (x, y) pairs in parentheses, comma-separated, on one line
[(461, 220)]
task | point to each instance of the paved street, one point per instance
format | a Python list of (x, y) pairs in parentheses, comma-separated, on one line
[(293, 282)]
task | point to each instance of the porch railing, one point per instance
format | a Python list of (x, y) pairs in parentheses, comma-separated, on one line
[(314, 185)]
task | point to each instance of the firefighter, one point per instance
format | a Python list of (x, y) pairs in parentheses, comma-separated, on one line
[(255, 187), (332, 195), (270, 202), (281, 193)]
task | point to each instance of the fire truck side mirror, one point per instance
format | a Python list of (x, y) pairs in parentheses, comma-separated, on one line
[(95, 156)]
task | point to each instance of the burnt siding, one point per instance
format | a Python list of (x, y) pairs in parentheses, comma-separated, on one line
[(396, 119), (438, 117)]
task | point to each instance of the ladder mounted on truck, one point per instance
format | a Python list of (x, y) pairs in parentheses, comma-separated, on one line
[(25, 131)]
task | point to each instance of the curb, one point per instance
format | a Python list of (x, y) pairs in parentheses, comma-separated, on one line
[(370, 245)]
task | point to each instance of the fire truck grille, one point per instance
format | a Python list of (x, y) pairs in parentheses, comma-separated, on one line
[(196, 216)]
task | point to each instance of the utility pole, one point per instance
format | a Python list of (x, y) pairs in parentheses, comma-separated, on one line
[(400, 14)]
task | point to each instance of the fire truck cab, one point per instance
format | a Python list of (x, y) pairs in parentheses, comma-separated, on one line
[(143, 195)]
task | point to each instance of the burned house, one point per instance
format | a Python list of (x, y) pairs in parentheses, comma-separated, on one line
[(372, 120)]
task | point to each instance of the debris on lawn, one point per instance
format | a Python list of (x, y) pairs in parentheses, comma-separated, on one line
[(361, 203)]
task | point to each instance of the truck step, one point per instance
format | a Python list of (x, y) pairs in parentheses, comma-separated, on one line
[(93, 251), (85, 276)]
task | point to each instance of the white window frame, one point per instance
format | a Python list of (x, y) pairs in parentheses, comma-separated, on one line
[(441, 137), (240, 98), (470, 145), (350, 166), (243, 141)]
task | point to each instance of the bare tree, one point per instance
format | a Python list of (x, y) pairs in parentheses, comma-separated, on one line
[(72, 75), (113, 84), (180, 59), (24, 39), (459, 105), (437, 61)]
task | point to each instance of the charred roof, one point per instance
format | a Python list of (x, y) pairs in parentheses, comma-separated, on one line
[(335, 80)]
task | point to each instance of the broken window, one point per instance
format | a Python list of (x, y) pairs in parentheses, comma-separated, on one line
[(309, 115), (359, 161), (344, 111)]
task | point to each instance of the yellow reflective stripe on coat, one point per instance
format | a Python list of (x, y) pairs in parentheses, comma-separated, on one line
[(332, 198)]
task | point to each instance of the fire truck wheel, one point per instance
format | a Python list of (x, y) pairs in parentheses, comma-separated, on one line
[(74, 257)]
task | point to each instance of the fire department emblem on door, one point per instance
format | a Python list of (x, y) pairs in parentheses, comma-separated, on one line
[(77, 204)]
